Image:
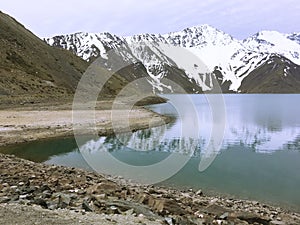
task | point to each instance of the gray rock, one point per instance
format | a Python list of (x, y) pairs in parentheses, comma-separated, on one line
[(137, 208), (169, 220), (166, 206), (52, 205), (5, 189), (199, 192), (63, 201), (216, 210), (129, 212), (142, 198), (252, 218), (87, 207), (5, 185), (29, 189), (14, 198), (23, 196), (46, 194), (41, 202), (224, 216), (277, 222), (4, 199), (114, 210)]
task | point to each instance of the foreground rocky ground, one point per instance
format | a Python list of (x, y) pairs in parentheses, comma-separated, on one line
[(58, 195), (29, 215)]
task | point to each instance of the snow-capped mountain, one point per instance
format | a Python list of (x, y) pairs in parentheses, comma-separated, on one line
[(277, 43), (294, 37), (220, 55)]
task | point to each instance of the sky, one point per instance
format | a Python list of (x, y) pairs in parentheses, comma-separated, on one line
[(239, 18)]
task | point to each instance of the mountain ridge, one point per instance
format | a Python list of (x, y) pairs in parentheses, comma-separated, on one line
[(231, 58), (32, 72)]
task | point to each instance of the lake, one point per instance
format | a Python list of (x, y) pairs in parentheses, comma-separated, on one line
[(258, 158)]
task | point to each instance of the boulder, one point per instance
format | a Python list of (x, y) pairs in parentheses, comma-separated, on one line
[(166, 206)]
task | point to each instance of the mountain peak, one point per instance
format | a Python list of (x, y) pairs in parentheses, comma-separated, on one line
[(198, 36), (201, 27), (232, 58), (275, 42)]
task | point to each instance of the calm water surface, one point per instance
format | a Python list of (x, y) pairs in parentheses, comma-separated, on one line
[(259, 158)]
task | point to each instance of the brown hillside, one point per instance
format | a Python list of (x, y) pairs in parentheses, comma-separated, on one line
[(30, 70)]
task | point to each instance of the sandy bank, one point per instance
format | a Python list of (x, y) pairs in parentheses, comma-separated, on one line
[(25, 125)]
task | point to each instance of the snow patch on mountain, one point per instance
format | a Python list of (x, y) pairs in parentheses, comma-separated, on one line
[(198, 50), (198, 36), (273, 42)]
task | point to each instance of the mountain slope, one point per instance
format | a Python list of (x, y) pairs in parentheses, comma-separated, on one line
[(277, 75), (223, 57), (31, 70), (149, 57)]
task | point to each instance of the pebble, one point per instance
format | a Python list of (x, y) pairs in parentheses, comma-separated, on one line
[(169, 220), (224, 216), (86, 207), (277, 222), (23, 196), (199, 192)]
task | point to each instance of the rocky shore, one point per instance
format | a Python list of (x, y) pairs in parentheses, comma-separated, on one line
[(33, 193), (58, 195)]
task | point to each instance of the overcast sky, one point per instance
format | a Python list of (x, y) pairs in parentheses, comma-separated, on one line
[(240, 18)]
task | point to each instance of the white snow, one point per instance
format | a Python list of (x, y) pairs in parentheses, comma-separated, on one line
[(276, 43), (186, 60), (203, 45)]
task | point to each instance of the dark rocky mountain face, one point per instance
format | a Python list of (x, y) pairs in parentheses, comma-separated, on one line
[(277, 75)]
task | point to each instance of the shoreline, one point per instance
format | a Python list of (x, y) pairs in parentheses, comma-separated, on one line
[(56, 188), (23, 125), (25, 183)]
